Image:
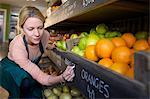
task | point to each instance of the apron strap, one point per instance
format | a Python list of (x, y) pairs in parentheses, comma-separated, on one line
[(26, 45), (41, 48), (37, 60)]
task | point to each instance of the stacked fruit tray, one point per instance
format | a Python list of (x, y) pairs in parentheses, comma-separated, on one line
[(62, 91)]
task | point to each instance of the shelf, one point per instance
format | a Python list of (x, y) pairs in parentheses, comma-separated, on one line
[(96, 11), (93, 80), (54, 3)]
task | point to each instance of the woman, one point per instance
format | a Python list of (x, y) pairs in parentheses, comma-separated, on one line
[(20, 74)]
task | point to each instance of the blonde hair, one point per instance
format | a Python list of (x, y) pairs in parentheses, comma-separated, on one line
[(29, 11)]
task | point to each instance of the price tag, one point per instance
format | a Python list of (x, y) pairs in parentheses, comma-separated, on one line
[(87, 2)]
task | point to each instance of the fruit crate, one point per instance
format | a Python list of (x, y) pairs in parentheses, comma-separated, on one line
[(142, 69), (56, 59), (96, 81)]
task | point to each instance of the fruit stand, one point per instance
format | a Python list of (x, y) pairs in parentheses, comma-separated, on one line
[(95, 80)]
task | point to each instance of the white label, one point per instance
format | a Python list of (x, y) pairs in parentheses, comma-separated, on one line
[(87, 2)]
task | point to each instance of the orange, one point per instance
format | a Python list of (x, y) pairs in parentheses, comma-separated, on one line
[(132, 57), (129, 38), (118, 41), (149, 40), (132, 51), (130, 73), (140, 45), (132, 60), (104, 48), (121, 54), (119, 67), (147, 50), (90, 53), (107, 62)]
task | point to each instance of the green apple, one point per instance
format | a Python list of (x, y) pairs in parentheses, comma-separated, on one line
[(75, 49), (141, 35), (82, 43), (83, 34), (92, 39), (101, 28), (73, 36)]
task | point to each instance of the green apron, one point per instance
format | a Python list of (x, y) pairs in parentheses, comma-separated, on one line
[(12, 76)]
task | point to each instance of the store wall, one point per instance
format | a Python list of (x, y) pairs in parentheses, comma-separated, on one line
[(7, 7)]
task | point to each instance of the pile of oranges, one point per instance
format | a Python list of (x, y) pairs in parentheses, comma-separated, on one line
[(117, 54)]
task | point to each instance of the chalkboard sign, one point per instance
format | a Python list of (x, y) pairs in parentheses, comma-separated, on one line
[(96, 81)]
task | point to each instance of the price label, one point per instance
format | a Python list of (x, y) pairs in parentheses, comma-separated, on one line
[(87, 2)]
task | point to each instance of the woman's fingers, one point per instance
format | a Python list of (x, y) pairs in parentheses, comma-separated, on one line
[(69, 73), (70, 77), (68, 70)]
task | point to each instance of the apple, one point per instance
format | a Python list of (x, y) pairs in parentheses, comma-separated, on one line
[(101, 28), (92, 39), (82, 43), (73, 36)]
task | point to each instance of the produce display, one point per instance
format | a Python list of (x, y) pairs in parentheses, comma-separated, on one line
[(62, 92), (110, 57), (111, 49)]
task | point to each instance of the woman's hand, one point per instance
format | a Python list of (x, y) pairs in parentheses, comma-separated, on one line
[(68, 74)]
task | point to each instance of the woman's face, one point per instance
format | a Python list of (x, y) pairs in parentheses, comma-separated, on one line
[(33, 29)]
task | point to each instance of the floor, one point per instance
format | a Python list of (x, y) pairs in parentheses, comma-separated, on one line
[(3, 50)]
